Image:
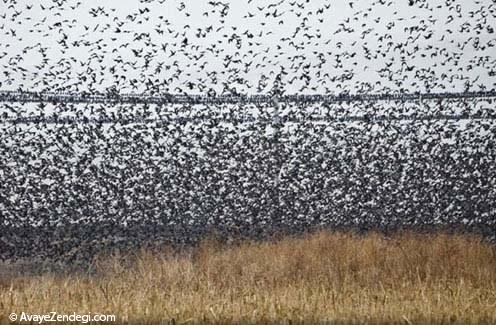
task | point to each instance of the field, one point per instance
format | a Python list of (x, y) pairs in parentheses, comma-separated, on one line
[(324, 277)]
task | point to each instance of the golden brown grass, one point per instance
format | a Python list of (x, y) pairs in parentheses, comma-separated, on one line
[(325, 277)]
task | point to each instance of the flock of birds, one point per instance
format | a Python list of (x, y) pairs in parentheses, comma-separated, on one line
[(150, 174)]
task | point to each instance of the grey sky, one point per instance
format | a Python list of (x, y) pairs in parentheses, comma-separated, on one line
[(332, 45)]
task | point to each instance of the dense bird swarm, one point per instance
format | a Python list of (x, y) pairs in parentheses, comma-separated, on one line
[(139, 174)]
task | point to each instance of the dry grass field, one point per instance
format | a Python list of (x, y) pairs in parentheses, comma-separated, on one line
[(334, 278)]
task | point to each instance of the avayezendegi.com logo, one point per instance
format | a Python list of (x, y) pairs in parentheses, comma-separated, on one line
[(56, 317)]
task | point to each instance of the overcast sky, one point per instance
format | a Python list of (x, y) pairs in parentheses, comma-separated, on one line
[(315, 46)]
